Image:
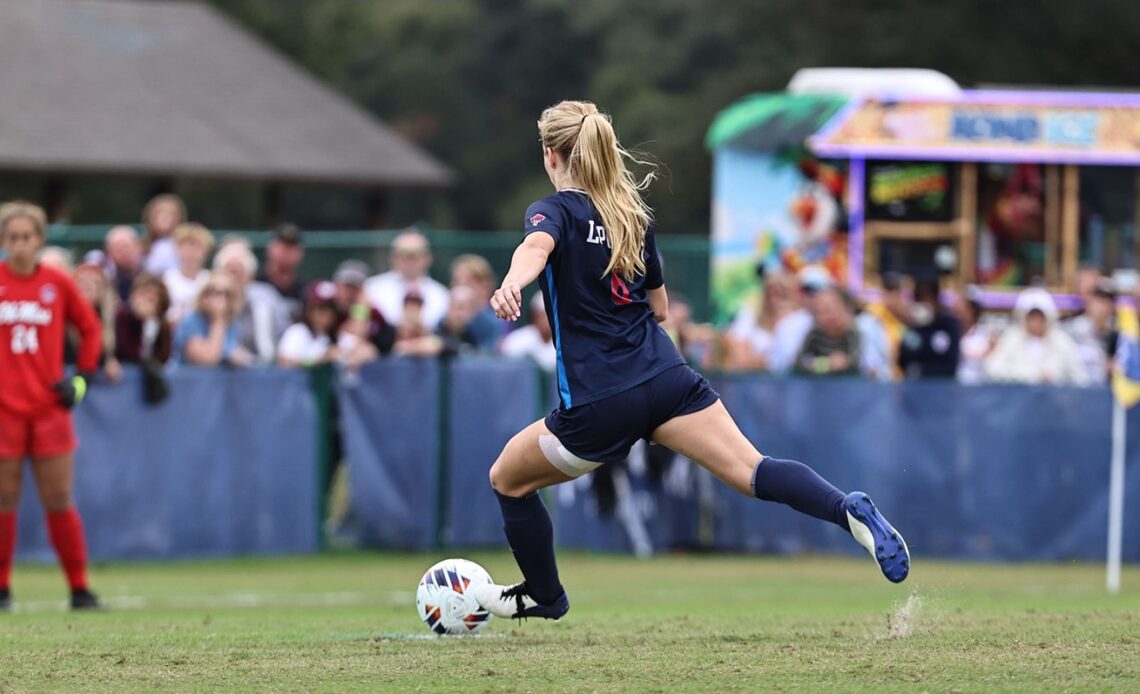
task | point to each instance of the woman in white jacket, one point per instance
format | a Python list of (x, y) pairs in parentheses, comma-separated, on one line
[(1035, 349)]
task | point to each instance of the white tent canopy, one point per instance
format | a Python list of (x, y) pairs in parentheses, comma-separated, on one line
[(862, 82)]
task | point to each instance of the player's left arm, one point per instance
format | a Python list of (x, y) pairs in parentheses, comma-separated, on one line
[(527, 263)]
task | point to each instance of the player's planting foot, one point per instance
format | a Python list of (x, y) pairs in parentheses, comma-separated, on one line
[(5, 600), (514, 602), (85, 600), (871, 530)]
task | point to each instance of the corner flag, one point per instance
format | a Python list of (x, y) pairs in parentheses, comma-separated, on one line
[(1126, 378)]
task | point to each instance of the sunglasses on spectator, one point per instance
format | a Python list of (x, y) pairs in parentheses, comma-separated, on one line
[(12, 236), (218, 290)]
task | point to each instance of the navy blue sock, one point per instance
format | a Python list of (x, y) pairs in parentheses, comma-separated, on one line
[(797, 485), (531, 537)]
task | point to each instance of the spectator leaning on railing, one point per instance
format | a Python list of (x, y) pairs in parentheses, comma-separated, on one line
[(264, 314), (142, 333), (1035, 349), (209, 335), (192, 242), (875, 362), (143, 336), (893, 313), (1094, 332), (474, 272), (789, 333), (929, 347), (977, 341), (832, 346), (454, 335), (410, 260), (411, 330), (362, 333), (312, 340), (750, 339)]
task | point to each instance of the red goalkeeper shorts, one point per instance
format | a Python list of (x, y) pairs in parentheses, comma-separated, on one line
[(45, 434)]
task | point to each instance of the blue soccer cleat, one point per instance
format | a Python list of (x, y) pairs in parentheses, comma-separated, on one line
[(515, 602), (871, 530)]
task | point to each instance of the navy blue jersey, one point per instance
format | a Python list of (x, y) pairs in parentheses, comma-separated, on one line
[(604, 331)]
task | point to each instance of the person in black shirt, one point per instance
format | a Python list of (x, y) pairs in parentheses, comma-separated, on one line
[(929, 347)]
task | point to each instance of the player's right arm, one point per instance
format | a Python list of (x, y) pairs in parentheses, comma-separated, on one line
[(527, 263), (655, 279)]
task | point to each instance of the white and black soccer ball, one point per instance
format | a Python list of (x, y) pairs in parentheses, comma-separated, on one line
[(445, 598)]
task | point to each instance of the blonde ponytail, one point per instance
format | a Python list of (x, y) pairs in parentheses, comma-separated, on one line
[(586, 141)]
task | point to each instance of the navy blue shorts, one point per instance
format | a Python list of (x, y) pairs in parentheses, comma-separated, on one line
[(603, 431)]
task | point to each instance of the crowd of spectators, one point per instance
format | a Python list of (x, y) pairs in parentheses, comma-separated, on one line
[(175, 293), (806, 325)]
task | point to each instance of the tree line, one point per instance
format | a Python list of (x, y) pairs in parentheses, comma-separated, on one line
[(466, 79)]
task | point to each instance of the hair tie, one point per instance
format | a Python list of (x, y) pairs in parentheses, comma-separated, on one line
[(583, 121)]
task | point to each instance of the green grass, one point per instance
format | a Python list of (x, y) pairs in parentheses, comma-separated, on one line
[(347, 622)]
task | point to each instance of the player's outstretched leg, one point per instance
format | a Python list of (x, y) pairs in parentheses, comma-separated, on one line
[(710, 438), (516, 477), (792, 483)]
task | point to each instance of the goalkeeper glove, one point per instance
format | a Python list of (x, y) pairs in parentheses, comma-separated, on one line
[(71, 391)]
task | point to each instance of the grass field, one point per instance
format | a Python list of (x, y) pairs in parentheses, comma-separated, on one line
[(701, 623)]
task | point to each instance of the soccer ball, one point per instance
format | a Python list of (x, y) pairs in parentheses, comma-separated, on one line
[(445, 598)]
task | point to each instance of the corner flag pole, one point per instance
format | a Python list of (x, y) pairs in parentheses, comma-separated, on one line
[(1126, 393), (1116, 498)]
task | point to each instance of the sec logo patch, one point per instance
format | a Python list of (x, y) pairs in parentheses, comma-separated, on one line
[(537, 219), (48, 293)]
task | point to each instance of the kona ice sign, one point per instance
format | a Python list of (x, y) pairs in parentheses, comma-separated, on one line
[(1051, 128), (990, 126)]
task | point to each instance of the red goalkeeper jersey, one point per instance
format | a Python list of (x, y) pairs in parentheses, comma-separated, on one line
[(34, 313)]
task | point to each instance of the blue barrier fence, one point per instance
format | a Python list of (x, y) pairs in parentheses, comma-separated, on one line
[(231, 464), (993, 472), (225, 466)]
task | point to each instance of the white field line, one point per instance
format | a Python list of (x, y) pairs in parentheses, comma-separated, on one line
[(227, 600)]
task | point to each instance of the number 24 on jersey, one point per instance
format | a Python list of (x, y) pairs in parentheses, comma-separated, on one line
[(25, 339)]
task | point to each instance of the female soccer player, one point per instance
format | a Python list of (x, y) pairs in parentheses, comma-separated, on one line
[(36, 303), (620, 378)]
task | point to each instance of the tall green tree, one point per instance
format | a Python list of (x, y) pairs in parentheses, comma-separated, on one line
[(466, 79)]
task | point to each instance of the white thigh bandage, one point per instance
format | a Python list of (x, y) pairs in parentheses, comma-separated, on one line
[(563, 459)]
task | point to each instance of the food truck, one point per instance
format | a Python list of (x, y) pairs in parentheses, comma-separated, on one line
[(995, 189)]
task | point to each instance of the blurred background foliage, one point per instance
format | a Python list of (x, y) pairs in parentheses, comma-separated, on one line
[(466, 79)]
